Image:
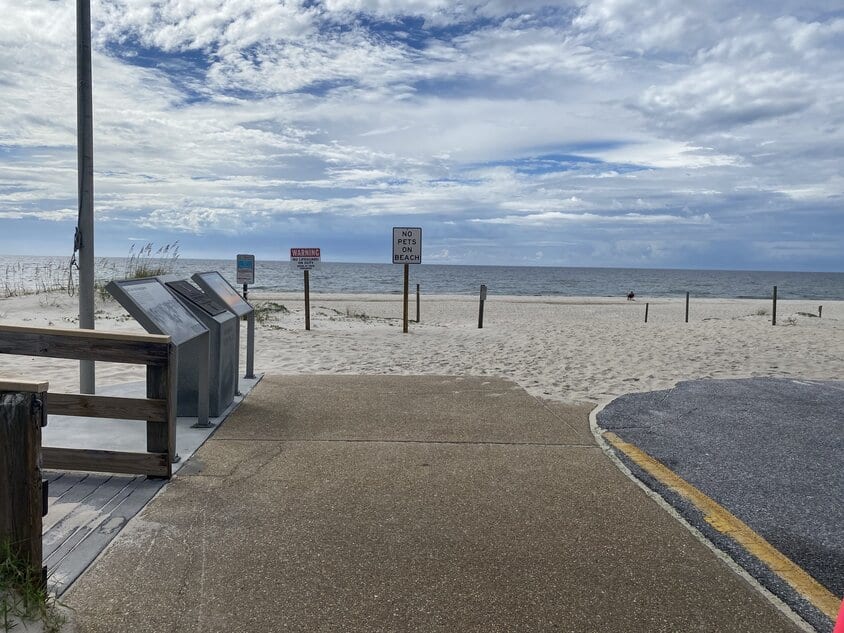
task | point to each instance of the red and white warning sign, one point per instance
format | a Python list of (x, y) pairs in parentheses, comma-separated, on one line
[(305, 258)]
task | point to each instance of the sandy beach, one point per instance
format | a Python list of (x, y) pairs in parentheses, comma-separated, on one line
[(560, 348)]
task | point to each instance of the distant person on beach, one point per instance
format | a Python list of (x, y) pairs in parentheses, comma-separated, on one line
[(631, 296)]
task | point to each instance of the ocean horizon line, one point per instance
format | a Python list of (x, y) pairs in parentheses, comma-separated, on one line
[(27, 273), (231, 259)]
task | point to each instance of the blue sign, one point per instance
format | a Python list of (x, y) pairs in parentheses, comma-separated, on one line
[(246, 269)]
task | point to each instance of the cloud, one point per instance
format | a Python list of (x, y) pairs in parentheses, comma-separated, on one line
[(554, 217), (489, 122)]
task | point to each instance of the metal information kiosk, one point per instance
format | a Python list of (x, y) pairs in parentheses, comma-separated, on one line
[(215, 284), (159, 312), (222, 328)]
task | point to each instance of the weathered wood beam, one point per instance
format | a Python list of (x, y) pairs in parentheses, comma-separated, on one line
[(107, 407), (153, 464), (84, 344)]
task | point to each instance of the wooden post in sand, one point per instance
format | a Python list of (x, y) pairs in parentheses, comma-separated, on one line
[(417, 303), (22, 414), (406, 284), (647, 305), (774, 317), (481, 307), (307, 301), (687, 307), (820, 311)]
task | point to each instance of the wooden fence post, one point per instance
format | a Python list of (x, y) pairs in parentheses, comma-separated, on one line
[(481, 307), (647, 305), (161, 385), (23, 411), (774, 317)]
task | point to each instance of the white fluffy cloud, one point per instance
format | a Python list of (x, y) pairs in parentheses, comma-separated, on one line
[(218, 116)]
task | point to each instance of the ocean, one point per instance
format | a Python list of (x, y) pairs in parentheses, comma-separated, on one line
[(38, 273)]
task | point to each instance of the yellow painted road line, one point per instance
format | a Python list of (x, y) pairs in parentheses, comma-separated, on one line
[(725, 522)]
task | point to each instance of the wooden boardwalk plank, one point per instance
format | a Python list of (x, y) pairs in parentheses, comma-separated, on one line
[(85, 516), (93, 524), (63, 512)]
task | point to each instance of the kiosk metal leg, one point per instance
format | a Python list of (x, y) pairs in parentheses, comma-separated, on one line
[(250, 345), (204, 388)]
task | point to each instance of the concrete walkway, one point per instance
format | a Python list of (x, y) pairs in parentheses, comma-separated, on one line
[(408, 504)]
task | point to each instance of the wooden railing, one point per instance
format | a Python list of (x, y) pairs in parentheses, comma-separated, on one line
[(21, 501), (158, 409)]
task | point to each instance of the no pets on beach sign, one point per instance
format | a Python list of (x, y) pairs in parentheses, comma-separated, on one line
[(407, 245)]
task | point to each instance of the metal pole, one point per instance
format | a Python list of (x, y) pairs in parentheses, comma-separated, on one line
[(307, 302), (406, 284), (203, 407), (774, 317), (85, 166), (250, 345), (687, 307), (246, 292), (417, 303)]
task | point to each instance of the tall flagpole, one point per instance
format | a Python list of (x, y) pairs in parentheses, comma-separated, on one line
[(85, 162)]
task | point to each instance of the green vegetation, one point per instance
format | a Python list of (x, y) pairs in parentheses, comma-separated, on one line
[(146, 263), (102, 294), (22, 598), (48, 277), (55, 276), (353, 314), (265, 310), (143, 262)]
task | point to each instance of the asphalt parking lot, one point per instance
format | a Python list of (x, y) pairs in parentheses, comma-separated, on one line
[(770, 451)]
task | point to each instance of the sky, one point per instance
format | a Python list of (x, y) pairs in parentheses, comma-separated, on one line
[(660, 134)]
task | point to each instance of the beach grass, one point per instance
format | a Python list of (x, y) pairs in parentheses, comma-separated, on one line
[(23, 599), (266, 310), (49, 277), (146, 262)]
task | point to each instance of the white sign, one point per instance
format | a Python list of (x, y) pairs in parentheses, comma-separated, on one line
[(305, 258), (407, 245), (246, 269)]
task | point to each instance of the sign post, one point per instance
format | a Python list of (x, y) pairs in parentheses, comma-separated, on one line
[(407, 249), (481, 307), (245, 272), (306, 259), (774, 317)]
